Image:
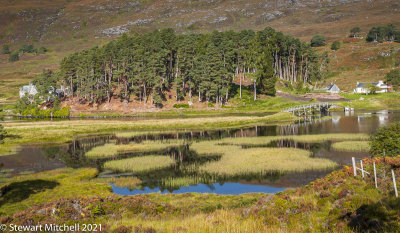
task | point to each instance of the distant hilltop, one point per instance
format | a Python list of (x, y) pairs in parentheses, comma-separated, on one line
[(49, 20)]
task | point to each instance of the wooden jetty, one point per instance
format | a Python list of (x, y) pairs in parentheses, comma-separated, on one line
[(309, 109)]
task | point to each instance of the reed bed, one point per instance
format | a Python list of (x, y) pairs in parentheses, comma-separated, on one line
[(205, 148), (352, 146), (64, 131), (131, 134), (111, 150), (140, 164), (122, 182), (187, 180), (239, 161), (299, 138)]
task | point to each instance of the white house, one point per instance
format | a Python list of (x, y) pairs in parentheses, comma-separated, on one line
[(29, 90), (332, 88), (364, 87)]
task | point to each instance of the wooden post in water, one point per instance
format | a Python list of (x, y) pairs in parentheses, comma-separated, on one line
[(354, 166), (376, 182), (362, 169), (394, 184)]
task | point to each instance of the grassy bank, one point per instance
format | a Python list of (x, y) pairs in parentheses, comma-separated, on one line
[(356, 146), (64, 131), (388, 101), (338, 202)]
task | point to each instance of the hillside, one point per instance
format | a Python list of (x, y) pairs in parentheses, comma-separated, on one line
[(64, 26)]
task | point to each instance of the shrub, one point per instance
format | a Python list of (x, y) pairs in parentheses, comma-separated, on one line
[(393, 77), (372, 89), (211, 105), (5, 49), (13, 57), (3, 133), (354, 31), (181, 106), (42, 50), (386, 139), (27, 49), (335, 45), (318, 40)]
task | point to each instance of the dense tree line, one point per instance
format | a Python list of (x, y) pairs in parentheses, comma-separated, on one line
[(145, 67)]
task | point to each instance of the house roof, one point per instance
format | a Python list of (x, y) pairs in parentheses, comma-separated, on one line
[(330, 86), (366, 84), (28, 88)]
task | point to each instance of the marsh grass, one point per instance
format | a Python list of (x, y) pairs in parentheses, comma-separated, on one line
[(122, 182), (238, 161), (187, 180), (352, 146), (63, 131), (209, 148), (111, 150), (140, 164), (298, 138), (131, 134)]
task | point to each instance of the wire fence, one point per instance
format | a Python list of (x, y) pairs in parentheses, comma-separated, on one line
[(375, 174)]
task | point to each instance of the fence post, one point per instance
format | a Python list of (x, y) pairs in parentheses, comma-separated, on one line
[(354, 166), (394, 184), (362, 169), (376, 182)]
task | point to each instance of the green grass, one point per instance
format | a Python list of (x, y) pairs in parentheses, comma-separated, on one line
[(322, 205), (312, 138), (111, 150), (140, 164), (379, 101), (24, 191), (122, 182), (239, 161), (63, 131), (356, 146), (178, 182)]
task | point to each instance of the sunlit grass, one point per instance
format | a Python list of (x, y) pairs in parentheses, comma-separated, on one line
[(64, 131), (218, 221), (259, 160), (205, 148), (122, 182), (352, 146), (187, 180), (40, 188), (140, 164), (110, 150), (299, 138)]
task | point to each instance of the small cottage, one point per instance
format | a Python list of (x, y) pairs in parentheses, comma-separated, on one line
[(29, 90), (332, 88), (364, 87)]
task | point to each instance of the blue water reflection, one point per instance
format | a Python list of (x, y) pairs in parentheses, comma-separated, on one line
[(225, 189)]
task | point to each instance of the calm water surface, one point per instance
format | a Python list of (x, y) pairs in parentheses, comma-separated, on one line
[(35, 159)]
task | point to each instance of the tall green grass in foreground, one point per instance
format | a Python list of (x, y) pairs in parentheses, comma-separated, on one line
[(352, 146), (111, 150), (140, 164)]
